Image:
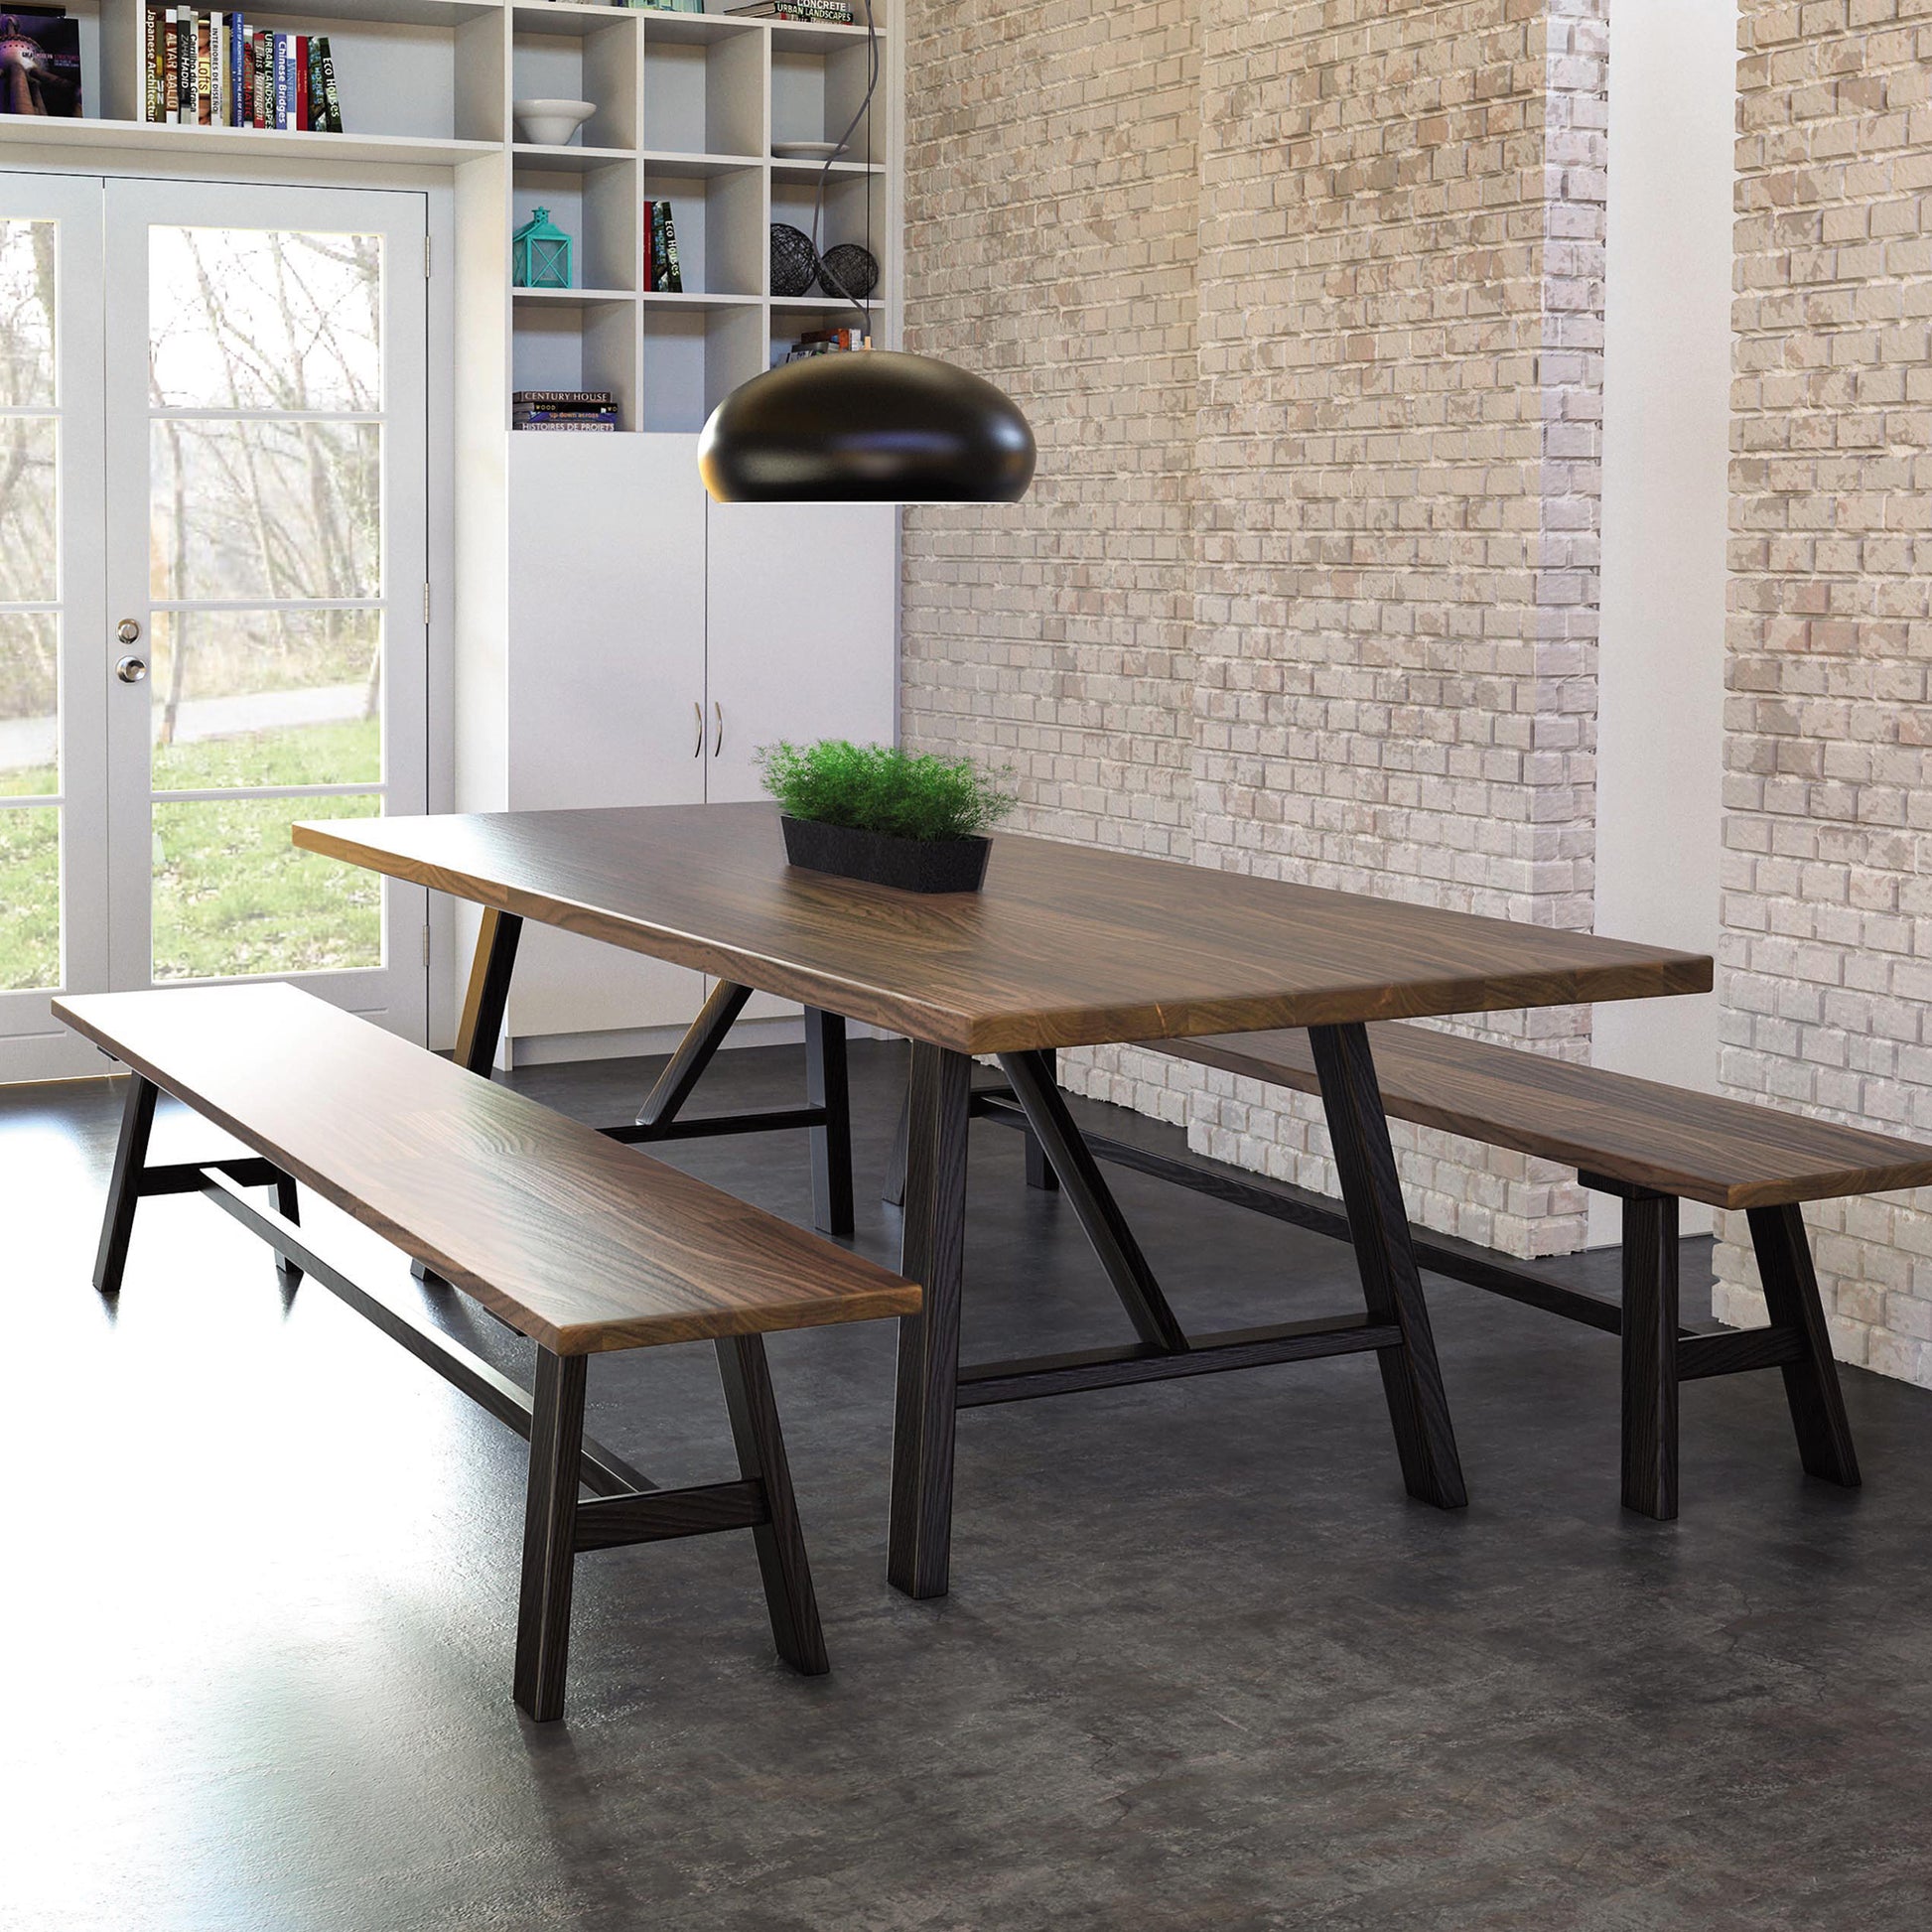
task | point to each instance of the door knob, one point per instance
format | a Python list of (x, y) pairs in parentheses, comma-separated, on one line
[(718, 712), (697, 711), (127, 630), (131, 670)]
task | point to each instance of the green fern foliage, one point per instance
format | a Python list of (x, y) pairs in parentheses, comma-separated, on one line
[(880, 789)]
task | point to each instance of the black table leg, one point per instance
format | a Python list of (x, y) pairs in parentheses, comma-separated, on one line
[(1051, 1129), (701, 1041), (894, 1192), (1040, 1169), (480, 1028), (1378, 1223), (827, 1086), (931, 1253), (124, 1190)]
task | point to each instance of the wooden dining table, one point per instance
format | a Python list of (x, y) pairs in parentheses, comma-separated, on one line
[(1065, 946)]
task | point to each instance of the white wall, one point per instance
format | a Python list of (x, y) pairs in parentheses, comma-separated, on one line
[(1666, 439)]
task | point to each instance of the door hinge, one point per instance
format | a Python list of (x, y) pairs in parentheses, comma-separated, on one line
[(425, 605), (425, 258), (426, 945)]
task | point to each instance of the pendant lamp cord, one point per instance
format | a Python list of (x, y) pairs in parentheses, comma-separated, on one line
[(825, 172)]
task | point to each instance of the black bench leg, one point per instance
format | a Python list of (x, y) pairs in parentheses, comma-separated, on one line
[(894, 1193), (549, 1536), (1040, 1169), (827, 1086), (781, 1542), (1810, 1385), (1378, 1224), (124, 1190), (1650, 1355), (933, 1247), (288, 1204)]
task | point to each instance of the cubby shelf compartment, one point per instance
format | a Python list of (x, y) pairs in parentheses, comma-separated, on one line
[(695, 303), (806, 174), (820, 37), (564, 18), (676, 165), (567, 160), (573, 298)]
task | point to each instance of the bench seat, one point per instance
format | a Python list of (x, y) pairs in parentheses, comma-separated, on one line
[(1695, 1145), (578, 1242), (1650, 1145)]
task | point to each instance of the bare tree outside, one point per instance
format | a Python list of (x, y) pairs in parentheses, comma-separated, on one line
[(264, 381)]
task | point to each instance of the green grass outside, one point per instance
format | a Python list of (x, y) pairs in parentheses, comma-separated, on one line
[(232, 894)]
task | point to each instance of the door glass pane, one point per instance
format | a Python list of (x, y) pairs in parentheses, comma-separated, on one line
[(30, 571), (265, 319), (30, 734), (273, 696), (233, 895), (27, 315), (265, 508), (30, 890)]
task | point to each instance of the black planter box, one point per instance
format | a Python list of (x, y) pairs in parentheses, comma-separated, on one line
[(912, 864)]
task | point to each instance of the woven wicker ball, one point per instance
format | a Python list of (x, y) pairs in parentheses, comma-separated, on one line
[(793, 261), (849, 273)]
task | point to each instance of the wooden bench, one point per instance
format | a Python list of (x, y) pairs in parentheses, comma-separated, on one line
[(578, 1242), (1650, 1145)]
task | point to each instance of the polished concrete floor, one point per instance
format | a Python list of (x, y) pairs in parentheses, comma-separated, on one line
[(1204, 1664)]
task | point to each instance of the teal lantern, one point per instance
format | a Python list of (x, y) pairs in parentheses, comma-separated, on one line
[(540, 254)]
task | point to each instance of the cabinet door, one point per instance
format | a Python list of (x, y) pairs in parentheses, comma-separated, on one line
[(605, 686), (803, 629)]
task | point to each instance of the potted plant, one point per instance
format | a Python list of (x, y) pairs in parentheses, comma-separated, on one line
[(909, 819)]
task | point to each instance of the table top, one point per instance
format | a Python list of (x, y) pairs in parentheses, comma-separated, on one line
[(1066, 945)]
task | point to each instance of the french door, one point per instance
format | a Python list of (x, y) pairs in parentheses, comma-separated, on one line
[(212, 607)]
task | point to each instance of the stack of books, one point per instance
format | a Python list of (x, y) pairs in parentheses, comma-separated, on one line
[(827, 342), (216, 71), (662, 275), (564, 409), (834, 11)]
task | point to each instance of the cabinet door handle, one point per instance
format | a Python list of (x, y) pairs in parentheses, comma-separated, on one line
[(718, 712), (697, 711)]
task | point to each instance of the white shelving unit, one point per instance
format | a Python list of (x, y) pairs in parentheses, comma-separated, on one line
[(688, 106)]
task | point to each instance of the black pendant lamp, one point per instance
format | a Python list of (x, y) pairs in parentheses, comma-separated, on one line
[(866, 426)]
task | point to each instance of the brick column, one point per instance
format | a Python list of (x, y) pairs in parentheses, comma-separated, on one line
[(1827, 916)]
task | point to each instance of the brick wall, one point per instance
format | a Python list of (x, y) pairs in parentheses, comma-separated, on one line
[(1828, 916), (1303, 298), (1396, 540)]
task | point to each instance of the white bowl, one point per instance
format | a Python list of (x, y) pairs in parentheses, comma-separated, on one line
[(550, 123)]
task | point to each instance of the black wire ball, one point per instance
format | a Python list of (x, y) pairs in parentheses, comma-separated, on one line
[(793, 261), (849, 273)]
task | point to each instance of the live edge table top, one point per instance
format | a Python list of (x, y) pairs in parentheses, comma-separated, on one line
[(1066, 945)]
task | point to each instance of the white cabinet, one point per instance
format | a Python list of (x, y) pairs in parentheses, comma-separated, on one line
[(799, 597), (655, 639)]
